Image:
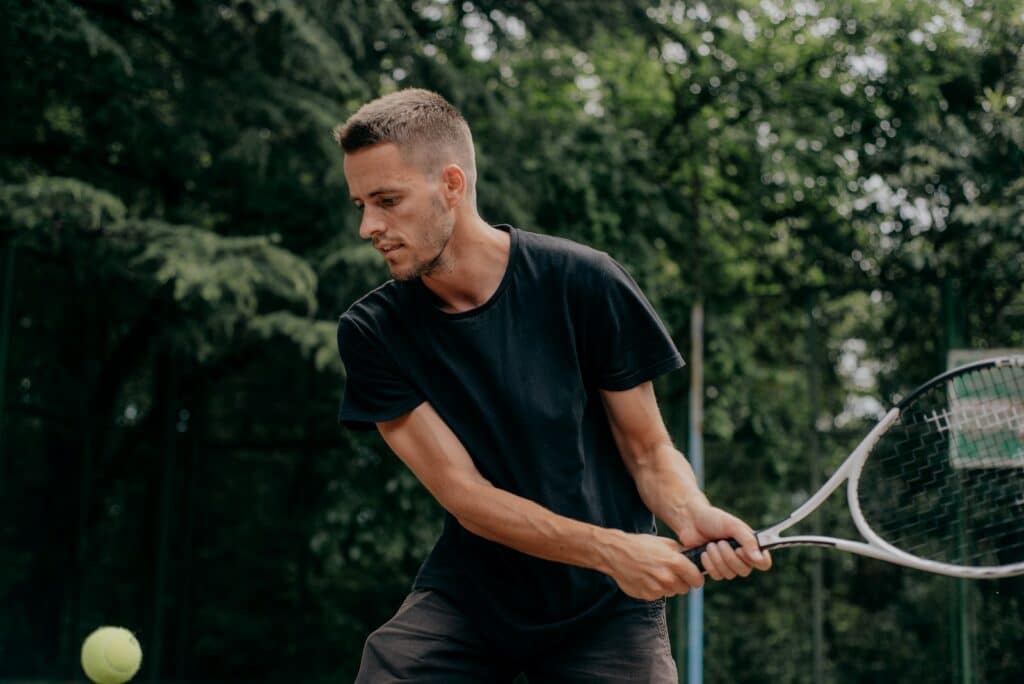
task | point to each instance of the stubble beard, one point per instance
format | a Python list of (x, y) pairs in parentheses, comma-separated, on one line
[(437, 236)]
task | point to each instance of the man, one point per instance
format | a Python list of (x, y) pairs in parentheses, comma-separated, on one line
[(511, 372)]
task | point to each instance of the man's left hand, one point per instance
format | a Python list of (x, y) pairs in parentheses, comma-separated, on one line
[(714, 527)]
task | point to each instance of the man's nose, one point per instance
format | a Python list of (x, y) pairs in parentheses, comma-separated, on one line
[(370, 225)]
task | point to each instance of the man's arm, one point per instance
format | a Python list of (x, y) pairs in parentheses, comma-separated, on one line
[(644, 566), (667, 485)]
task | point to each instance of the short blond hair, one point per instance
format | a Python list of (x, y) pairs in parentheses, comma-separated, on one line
[(428, 130)]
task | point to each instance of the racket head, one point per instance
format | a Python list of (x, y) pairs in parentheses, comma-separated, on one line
[(942, 489)]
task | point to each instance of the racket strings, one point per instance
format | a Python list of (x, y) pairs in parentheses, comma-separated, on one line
[(946, 482)]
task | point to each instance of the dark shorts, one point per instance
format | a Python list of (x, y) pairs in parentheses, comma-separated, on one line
[(430, 640)]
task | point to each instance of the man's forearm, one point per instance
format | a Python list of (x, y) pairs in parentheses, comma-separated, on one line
[(668, 486), (439, 460), (517, 522)]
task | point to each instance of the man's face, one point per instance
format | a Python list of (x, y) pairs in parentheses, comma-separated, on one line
[(404, 212)]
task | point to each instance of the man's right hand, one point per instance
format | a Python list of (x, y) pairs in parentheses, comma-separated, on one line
[(648, 567)]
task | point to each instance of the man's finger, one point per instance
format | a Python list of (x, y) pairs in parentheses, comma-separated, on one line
[(735, 559), (748, 541), (721, 551), (764, 564), (689, 573), (709, 565)]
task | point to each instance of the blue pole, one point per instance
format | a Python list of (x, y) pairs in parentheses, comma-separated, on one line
[(695, 449), (695, 630)]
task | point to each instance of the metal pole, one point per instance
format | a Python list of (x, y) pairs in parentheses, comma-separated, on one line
[(963, 666), (695, 615), (814, 468)]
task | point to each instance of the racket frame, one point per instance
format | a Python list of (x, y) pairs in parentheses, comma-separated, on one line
[(849, 471)]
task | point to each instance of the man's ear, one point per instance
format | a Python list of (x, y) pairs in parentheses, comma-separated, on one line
[(454, 184)]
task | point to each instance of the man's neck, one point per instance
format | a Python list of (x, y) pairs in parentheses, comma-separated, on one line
[(478, 256)]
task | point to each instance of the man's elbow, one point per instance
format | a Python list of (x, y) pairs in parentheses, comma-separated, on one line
[(470, 526), (460, 495), (472, 522)]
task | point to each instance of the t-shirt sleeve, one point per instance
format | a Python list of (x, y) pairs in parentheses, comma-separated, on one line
[(375, 388), (626, 343)]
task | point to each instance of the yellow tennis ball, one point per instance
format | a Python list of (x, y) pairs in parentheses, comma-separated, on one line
[(111, 655)]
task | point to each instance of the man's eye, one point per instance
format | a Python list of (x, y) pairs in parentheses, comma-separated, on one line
[(388, 201)]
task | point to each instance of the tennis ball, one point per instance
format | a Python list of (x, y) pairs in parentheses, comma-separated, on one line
[(111, 655)]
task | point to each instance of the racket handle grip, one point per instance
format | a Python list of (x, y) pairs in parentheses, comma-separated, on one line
[(693, 555)]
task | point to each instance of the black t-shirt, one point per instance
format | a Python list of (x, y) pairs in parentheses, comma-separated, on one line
[(517, 379)]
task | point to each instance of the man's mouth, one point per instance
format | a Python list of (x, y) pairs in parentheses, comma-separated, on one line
[(384, 249)]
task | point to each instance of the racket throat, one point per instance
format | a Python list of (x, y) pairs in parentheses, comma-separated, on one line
[(774, 541)]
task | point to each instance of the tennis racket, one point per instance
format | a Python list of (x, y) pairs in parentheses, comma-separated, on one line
[(938, 484)]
